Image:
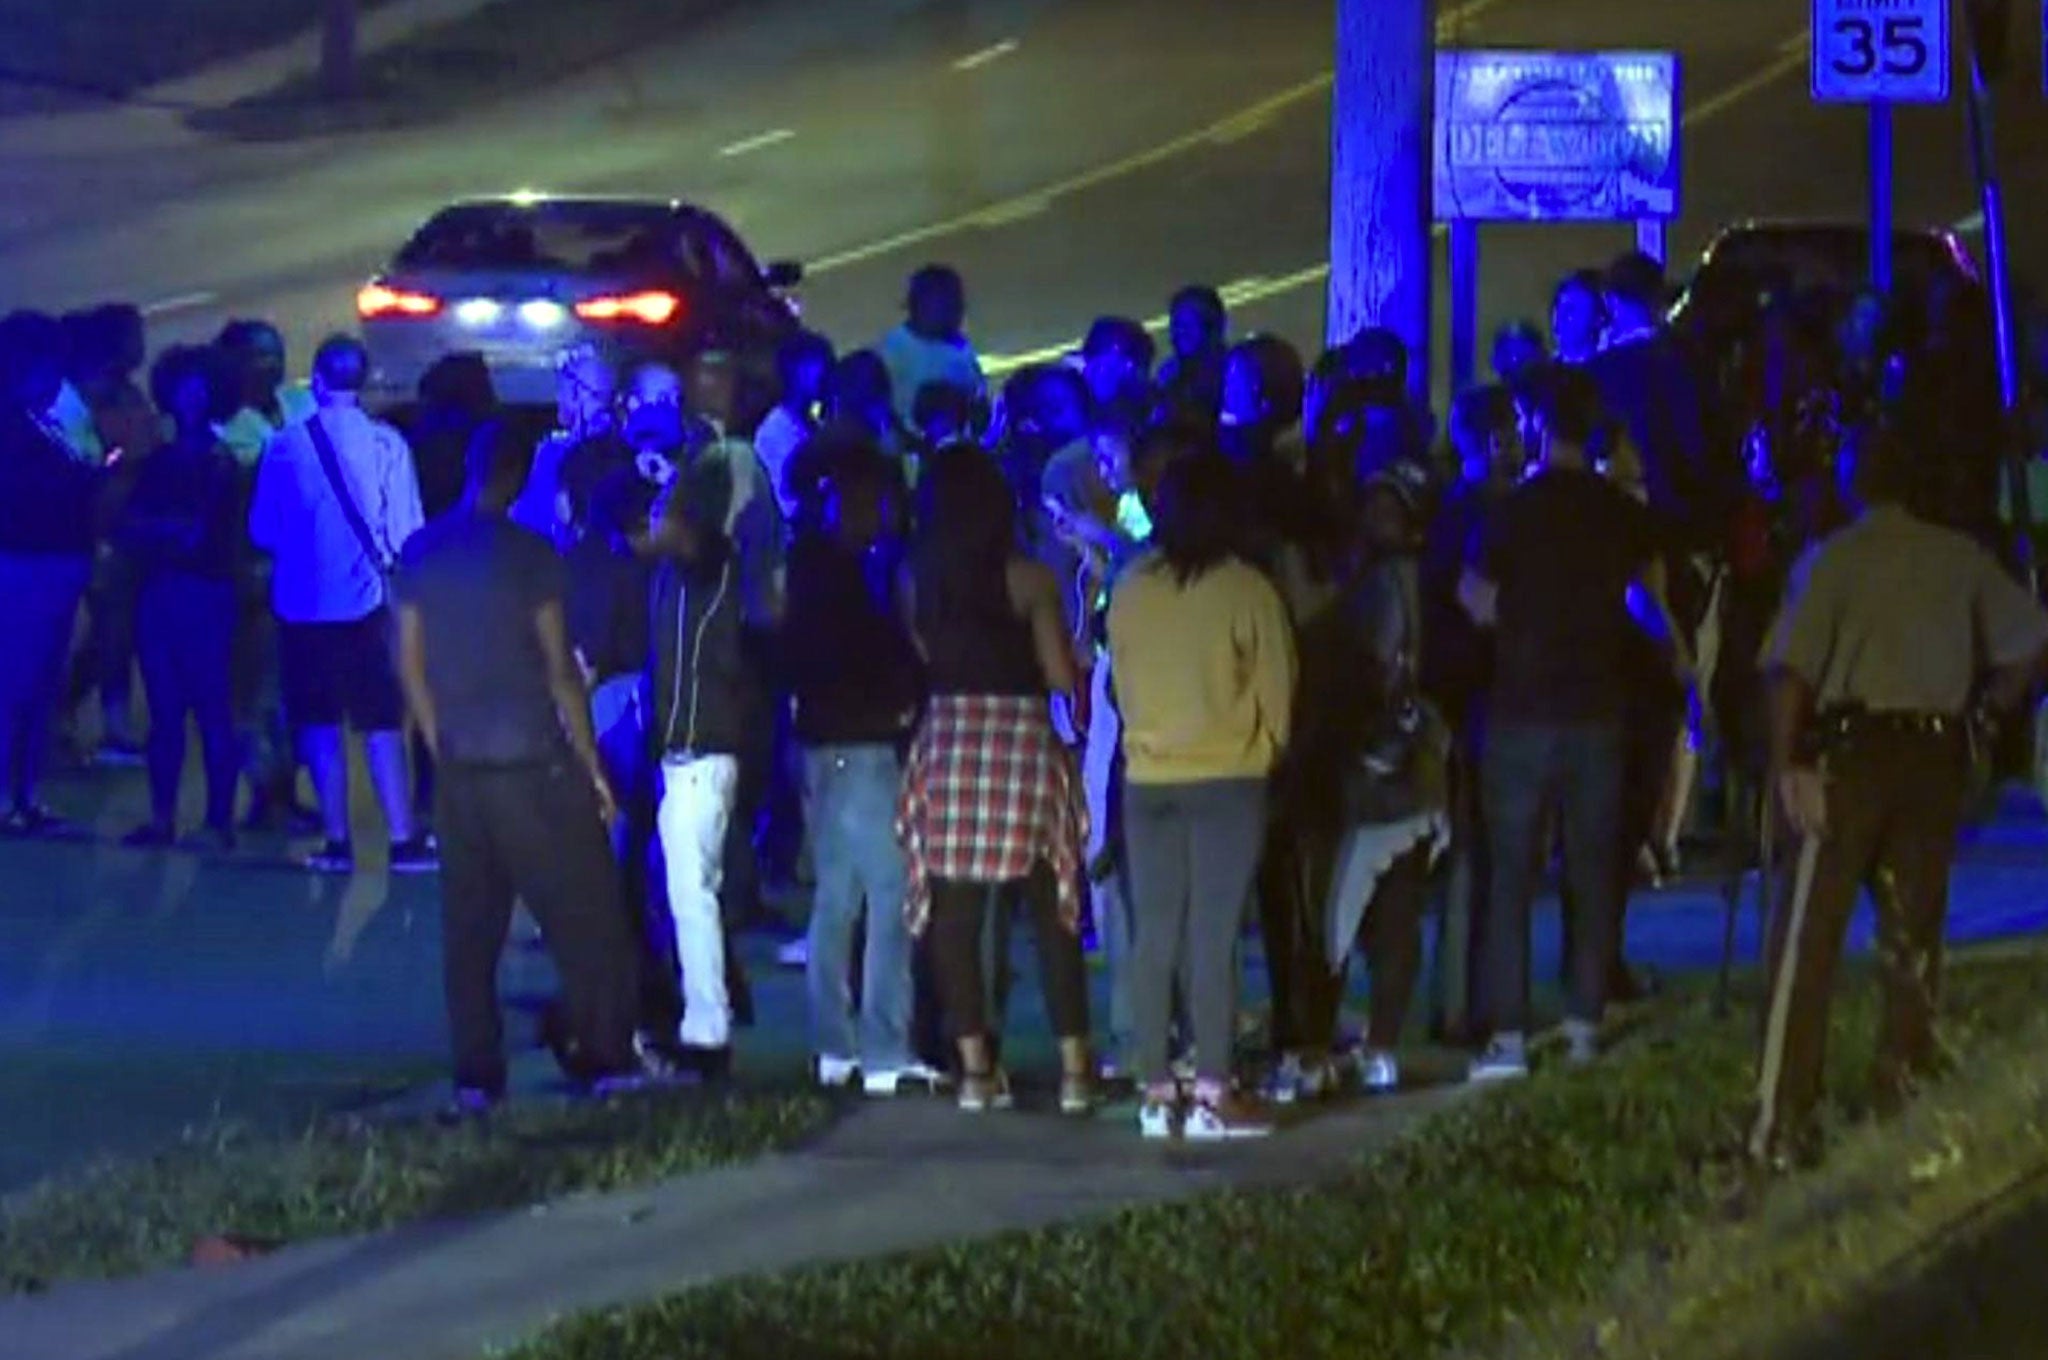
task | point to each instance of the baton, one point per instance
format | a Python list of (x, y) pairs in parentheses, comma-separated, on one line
[(1755, 832)]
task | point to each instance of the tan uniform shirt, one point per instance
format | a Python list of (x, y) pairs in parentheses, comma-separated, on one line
[(1901, 616)]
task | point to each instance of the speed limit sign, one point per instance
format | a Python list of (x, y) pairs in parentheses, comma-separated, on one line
[(1870, 50)]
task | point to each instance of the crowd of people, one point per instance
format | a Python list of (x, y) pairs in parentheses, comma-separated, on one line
[(1133, 646)]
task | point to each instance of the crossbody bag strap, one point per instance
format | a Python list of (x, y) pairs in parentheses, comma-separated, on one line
[(330, 463)]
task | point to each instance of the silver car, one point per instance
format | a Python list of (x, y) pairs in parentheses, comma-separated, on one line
[(521, 280)]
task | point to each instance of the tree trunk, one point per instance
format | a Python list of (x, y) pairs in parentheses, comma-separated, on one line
[(1380, 266), (338, 49)]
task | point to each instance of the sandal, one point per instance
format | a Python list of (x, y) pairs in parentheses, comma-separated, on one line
[(985, 1091)]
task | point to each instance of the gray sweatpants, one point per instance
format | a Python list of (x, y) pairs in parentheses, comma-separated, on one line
[(1193, 850)]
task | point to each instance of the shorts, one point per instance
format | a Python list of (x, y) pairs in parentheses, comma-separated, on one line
[(338, 674)]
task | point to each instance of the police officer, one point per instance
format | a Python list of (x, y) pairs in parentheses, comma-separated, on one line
[(1891, 630)]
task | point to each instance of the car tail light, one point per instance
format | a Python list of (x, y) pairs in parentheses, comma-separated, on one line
[(380, 300), (650, 309)]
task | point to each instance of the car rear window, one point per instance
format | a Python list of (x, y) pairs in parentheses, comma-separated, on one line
[(576, 238), (1832, 258)]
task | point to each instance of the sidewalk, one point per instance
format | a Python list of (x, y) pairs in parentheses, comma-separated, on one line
[(153, 119), (890, 1177)]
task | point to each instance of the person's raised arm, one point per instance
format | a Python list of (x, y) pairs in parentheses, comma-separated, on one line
[(571, 696), (412, 675)]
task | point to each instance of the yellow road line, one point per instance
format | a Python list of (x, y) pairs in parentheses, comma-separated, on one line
[(1231, 127), (1249, 291)]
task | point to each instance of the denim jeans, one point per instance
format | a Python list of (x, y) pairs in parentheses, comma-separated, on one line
[(850, 807), (39, 595), (1526, 766), (185, 639)]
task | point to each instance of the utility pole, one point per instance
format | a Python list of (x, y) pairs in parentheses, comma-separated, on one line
[(1380, 264), (338, 49)]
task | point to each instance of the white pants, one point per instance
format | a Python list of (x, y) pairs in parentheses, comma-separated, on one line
[(696, 805)]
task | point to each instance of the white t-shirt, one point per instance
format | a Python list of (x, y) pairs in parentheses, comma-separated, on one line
[(913, 361), (781, 434), (320, 571)]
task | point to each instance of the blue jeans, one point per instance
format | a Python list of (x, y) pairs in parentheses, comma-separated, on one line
[(850, 807), (39, 595), (185, 639), (1526, 766)]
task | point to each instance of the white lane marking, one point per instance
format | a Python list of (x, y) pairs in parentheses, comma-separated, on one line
[(766, 139), (1965, 225), (182, 302), (993, 52)]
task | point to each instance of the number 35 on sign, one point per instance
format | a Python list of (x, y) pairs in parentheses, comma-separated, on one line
[(1870, 50)]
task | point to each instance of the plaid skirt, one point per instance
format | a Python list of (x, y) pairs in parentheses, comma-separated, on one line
[(988, 795)]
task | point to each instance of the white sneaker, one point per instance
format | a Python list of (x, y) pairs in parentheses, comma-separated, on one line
[(1227, 1118), (886, 1082), (794, 953), (834, 1073), (1582, 1043), (1157, 1119), (1378, 1072), (1506, 1059), (1295, 1080)]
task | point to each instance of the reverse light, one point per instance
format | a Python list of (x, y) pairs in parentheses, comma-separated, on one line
[(542, 315), (478, 311), (651, 309), (379, 300)]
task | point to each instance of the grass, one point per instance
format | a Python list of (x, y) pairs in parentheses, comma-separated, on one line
[(340, 1175), (506, 48), (1897, 1247), (59, 55), (1499, 1211)]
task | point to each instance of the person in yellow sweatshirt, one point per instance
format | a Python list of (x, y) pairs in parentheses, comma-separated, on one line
[(1203, 657)]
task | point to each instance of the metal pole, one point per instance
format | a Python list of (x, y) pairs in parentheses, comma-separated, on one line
[(1881, 197), (1653, 239), (1984, 156), (1464, 305)]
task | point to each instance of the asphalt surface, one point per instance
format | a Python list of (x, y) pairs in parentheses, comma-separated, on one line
[(1074, 157)]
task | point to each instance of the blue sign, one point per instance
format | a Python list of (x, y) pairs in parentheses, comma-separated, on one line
[(1556, 136), (1895, 51)]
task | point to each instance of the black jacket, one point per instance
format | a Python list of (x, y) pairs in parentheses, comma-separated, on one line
[(849, 657), (706, 659)]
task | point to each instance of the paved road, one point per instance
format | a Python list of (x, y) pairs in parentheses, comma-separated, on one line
[(1075, 156), (1089, 158)]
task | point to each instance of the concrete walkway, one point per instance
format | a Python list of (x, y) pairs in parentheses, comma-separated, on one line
[(891, 1177)]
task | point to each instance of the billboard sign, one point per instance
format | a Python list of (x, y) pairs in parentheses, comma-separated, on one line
[(1556, 136)]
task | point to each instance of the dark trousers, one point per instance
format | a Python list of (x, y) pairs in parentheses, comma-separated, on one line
[(1527, 767), (1649, 736), (1459, 1000), (973, 977), (39, 595), (531, 833), (108, 660), (185, 639), (1391, 936), (1895, 803), (1293, 889)]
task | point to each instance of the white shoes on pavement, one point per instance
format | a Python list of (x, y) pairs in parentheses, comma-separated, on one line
[(1506, 1059), (888, 1082), (1378, 1071)]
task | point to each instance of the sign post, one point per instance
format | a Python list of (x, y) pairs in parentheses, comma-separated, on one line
[(1464, 305), (1549, 137), (1879, 53)]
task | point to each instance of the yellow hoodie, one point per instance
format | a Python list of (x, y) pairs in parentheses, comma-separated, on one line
[(1204, 674)]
